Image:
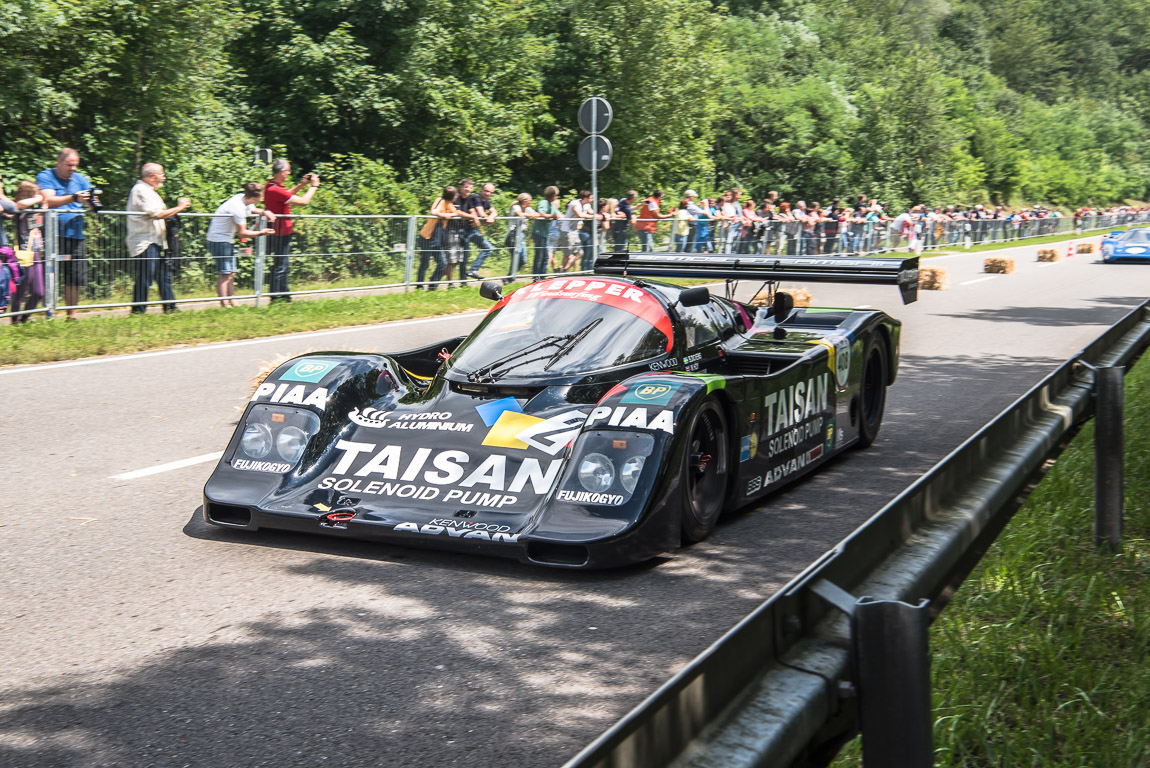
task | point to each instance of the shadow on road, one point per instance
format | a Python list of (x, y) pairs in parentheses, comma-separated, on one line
[(1051, 316)]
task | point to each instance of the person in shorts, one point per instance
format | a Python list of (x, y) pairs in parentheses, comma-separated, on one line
[(65, 188), (229, 220)]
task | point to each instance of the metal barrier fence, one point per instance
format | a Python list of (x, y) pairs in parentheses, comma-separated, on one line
[(359, 253), (813, 664)]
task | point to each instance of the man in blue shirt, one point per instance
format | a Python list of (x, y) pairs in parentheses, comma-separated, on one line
[(68, 190)]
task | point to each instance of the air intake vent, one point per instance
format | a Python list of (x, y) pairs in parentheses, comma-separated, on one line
[(229, 514), (549, 553)]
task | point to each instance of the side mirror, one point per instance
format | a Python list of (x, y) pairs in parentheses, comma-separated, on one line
[(695, 297), (783, 305), (491, 290)]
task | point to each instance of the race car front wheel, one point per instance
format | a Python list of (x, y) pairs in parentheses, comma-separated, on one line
[(872, 399), (706, 464)]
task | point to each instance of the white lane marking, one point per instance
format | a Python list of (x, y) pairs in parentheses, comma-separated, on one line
[(980, 280), (138, 473), (227, 344), (1046, 264)]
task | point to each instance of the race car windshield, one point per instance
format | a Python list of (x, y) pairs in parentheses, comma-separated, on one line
[(556, 337), (1134, 236)]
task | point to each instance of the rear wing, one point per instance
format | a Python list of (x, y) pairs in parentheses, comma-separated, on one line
[(815, 269)]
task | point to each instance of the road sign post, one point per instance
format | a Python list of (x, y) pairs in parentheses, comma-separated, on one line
[(594, 154)]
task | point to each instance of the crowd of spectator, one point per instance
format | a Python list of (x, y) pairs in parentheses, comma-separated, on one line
[(562, 237)]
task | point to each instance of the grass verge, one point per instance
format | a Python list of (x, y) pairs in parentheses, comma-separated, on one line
[(1066, 237), (41, 341), (1043, 657)]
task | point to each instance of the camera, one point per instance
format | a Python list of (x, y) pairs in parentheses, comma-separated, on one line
[(94, 199)]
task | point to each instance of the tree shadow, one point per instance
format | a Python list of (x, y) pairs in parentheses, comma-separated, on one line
[(1052, 316)]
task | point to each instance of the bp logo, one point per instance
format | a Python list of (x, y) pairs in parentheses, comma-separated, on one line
[(308, 370), (651, 393)]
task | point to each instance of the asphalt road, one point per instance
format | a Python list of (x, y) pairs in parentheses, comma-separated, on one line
[(134, 635)]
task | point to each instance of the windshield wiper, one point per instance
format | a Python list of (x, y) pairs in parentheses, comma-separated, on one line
[(497, 368), (572, 340), (488, 370)]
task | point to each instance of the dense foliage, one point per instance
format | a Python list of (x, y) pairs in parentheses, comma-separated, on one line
[(912, 101)]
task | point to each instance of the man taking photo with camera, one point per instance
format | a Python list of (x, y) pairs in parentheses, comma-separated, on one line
[(279, 199), (65, 188)]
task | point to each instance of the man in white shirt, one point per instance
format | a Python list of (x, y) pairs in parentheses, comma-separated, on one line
[(147, 237), (570, 240), (229, 220)]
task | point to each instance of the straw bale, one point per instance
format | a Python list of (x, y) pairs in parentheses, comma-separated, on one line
[(932, 279), (999, 265)]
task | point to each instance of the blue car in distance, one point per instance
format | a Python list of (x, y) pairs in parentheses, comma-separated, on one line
[(1131, 244)]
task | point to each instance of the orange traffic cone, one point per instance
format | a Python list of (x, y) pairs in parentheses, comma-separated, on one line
[(1070, 249)]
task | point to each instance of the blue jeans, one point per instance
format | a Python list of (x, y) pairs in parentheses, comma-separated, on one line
[(619, 234), (646, 241), (588, 252), (5, 291), (692, 241), (427, 248), (280, 248), (539, 262), (679, 243), (150, 266), (484, 245)]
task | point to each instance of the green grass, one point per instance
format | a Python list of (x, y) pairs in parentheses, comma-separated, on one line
[(1043, 657), (1062, 238), (41, 341)]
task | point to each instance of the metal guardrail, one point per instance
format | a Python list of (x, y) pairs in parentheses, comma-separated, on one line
[(781, 688)]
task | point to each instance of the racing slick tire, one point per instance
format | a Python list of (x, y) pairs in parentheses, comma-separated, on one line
[(704, 471), (872, 396)]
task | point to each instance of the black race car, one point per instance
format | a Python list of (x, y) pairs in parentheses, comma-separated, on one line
[(588, 421)]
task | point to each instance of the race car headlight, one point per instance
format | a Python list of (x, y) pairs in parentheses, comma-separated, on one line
[(257, 440), (276, 436), (596, 473), (630, 471), (290, 443)]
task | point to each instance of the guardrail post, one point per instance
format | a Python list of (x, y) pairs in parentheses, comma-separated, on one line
[(409, 254), (51, 246), (892, 657), (258, 269), (1108, 456)]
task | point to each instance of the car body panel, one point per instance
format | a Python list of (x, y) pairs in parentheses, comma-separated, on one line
[(424, 448), (1127, 245)]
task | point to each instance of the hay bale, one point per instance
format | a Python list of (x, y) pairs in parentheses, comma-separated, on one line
[(932, 278), (999, 265), (1049, 254), (1085, 248), (762, 299), (801, 296)]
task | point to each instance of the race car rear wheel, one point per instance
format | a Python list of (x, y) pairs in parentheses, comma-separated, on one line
[(872, 399), (706, 464)]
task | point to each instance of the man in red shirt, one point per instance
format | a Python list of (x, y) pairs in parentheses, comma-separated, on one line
[(279, 199)]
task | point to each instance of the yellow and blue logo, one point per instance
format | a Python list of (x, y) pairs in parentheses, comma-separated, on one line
[(651, 393)]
